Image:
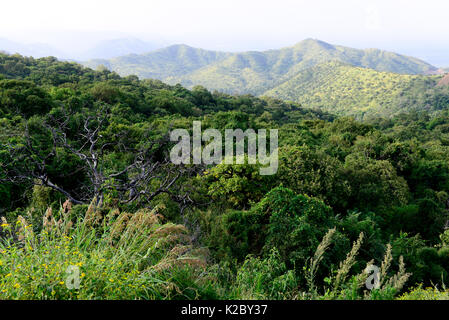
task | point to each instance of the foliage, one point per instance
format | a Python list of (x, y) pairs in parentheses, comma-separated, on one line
[(385, 178)]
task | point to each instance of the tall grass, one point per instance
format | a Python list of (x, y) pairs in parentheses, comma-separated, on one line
[(344, 286), (118, 255)]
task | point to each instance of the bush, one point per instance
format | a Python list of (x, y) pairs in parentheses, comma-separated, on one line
[(292, 224), (297, 224)]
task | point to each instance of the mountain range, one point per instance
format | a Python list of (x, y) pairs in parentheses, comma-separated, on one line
[(316, 74), (253, 72), (36, 50), (118, 47), (105, 49)]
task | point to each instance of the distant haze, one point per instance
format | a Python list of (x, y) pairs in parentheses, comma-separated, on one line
[(84, 29)]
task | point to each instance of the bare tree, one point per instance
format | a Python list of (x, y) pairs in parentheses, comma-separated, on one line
[(149, 174)]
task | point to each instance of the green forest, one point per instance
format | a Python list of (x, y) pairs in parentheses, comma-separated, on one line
[(86, 182)]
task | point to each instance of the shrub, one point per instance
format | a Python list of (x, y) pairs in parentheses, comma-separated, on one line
[(266, 278), (296, 224), (431, 293)]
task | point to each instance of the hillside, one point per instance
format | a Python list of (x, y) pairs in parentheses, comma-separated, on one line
[(344, 89), (144, 97), (253, 72)]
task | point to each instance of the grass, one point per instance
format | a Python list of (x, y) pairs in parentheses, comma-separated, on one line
[(122, 256)]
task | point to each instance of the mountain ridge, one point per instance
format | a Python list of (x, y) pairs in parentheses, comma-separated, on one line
[(118, 47), (253, 72), (106, 49), (37, 50)]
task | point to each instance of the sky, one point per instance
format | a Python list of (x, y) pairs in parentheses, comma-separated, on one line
[(416, 28)]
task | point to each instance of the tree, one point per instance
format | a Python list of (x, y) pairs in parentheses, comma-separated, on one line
[(23, 97), (374, 183), (146, 175), (314, 173)]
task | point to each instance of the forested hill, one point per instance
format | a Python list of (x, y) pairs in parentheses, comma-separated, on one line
[(173, 61), (31, 86), (346, 90), (253, 72)]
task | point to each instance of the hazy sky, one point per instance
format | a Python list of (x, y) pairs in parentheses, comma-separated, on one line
[(412, 27)]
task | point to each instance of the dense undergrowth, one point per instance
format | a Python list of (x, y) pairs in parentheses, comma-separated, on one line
[(123, 256)]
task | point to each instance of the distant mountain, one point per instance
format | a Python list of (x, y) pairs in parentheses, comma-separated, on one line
[(170, 62), (36, 50), (106, 49), (119, 47), (253, 72)]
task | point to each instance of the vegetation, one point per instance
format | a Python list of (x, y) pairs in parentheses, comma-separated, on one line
[(86, 183), (430, 293), (119, 256), (344, 81)]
